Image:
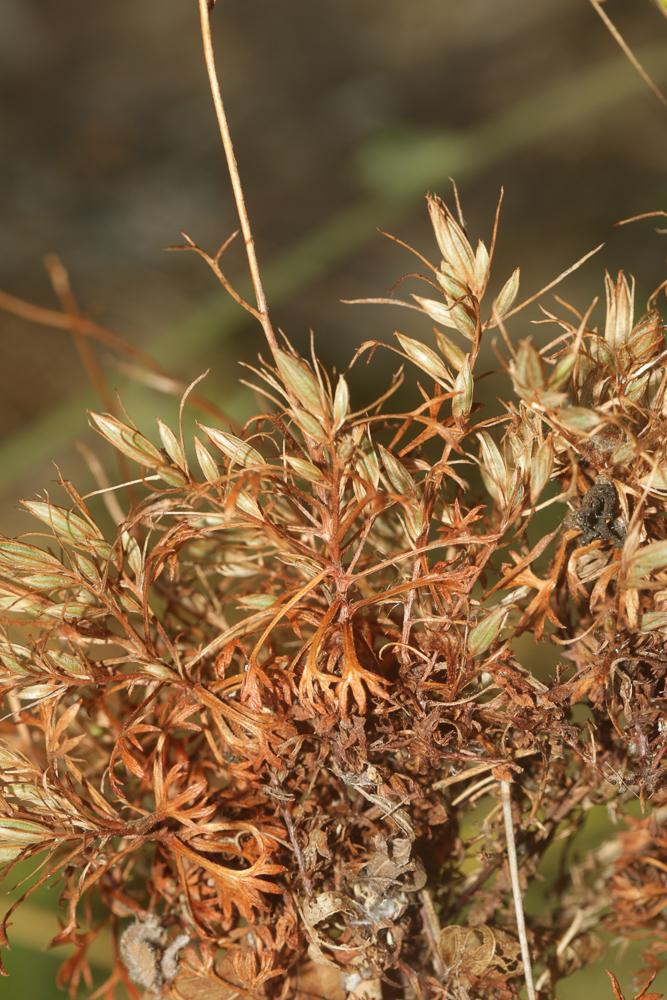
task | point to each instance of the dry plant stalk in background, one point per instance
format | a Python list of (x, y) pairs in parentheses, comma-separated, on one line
[(270, 721)]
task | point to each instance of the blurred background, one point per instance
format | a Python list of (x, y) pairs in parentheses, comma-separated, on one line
[(344, 115)]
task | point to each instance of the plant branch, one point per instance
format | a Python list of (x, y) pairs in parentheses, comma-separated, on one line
[(627, 51), (506, 799), (225, 135)]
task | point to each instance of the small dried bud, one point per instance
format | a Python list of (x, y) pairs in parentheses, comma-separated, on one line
[(620, 309), (301, 383), (425, 358), (237, 451), (127, 440), (17, 834), (150, 961), (507, 294), (463, 387), (453, 243), (486, 631), (206, 462)]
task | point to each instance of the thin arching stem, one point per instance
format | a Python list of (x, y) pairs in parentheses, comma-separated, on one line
[(225, 135)]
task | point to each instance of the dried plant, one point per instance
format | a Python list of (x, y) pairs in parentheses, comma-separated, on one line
[(271, 722)]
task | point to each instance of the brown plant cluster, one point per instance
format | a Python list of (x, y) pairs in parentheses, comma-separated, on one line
[(257, 716)]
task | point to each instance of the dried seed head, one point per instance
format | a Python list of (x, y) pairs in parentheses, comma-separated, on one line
[(150, 960)]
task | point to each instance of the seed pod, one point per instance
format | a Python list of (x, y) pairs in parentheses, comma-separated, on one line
[(172, 446), (463, 387), (301, 382), (425, 358), (526, 371), (341, 404), (486, 631), (398, 475), (17, 834), (507, 294), (69, 527), (452, 241), (620, 309), (237, 451), (127, 440), (206, 463), (540, 470), (305, 469), (453, 354), (451, 314)]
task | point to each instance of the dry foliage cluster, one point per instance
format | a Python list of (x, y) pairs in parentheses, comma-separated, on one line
[(263, 714), (262, 721)]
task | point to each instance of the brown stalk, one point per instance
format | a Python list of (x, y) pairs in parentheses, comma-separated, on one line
[(506, 799), (87, 328), (61, 285), (627, 51), (225, 135)]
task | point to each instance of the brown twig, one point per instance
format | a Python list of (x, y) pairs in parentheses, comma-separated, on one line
[(61, 286), (552, 284), (297, 851), (225, 135), (627, 51), (54, 320)]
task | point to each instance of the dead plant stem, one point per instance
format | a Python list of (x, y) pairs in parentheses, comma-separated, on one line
[(627, 51), (506, 799), (225, 135)]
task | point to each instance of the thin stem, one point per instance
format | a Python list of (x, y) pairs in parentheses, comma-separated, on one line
[(87, 328), (432, 929), (214, 263), (61, 286), (552, 284), (225, 135), (506, 798), (627, 51), (472, 772), (297, 851)]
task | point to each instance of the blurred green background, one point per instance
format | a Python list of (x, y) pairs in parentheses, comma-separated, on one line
[(344, 114)]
